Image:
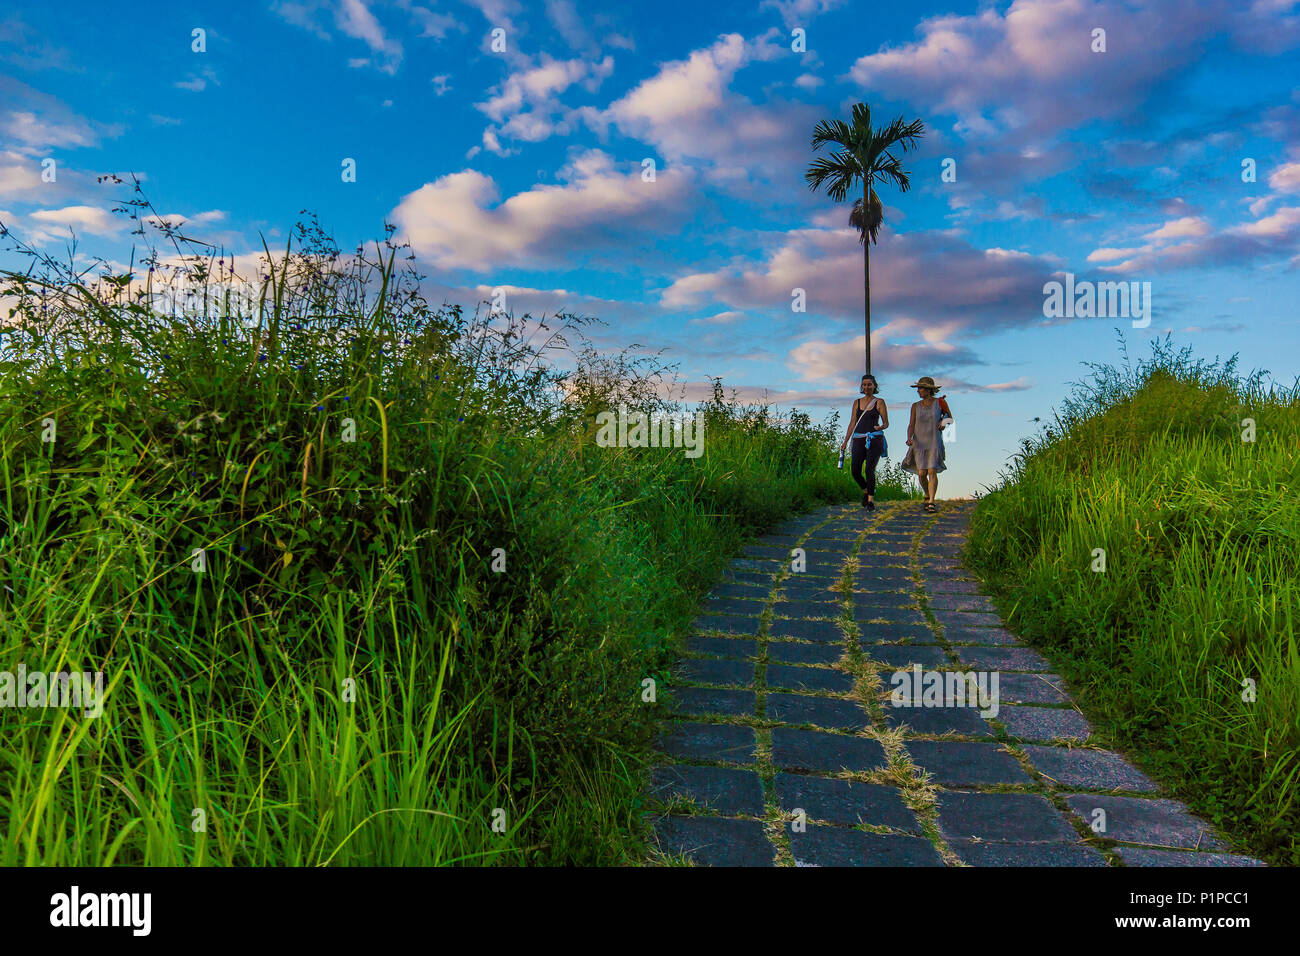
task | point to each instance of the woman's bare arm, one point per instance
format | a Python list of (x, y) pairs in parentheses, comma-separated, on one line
[(911, 424), (884, 414)]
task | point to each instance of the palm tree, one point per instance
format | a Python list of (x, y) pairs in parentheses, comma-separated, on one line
[(865, 154)]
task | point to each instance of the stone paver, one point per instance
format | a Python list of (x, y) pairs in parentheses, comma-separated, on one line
[(716, 788), (1002, 817), (1031, 689), (894, 633), (809, 678), (715, 841), (832, 846), (718, 672), (798, 652), (806, 608), (844, 801), (960, 764), (829, 753), (733, 647), (1082, 769), (809, 782), (930, 656), (1026, 854), (825, 632), (731, 743), (981, 658), (1044, 723), (830, 712), (1139, 856), (936, 721), (1159, 823), (705, 700)]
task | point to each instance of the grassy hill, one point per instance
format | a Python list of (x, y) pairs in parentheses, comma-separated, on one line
[(362, 585), (1184, 475)]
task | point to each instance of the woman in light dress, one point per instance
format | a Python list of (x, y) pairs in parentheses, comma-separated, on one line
[(925, 456)]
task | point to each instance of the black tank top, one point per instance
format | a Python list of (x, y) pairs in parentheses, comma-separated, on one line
[(870, 420)]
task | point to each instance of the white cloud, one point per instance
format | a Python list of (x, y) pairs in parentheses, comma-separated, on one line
[(1286, 178), (1181, 229), (19, 176), (527, 107), (799, 13), (540, 84), (26, 128), (1285, 222), (48, 225), (355, 19), (456, 222), (689, 113), (1111, 254), (935, 276), (198, 82), (1032, 66)]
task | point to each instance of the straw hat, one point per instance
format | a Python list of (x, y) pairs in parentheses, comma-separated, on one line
[(925, 382)]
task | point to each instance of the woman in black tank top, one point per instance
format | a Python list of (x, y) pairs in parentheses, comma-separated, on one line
[(869, 414)]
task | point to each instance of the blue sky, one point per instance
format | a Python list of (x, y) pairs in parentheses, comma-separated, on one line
[(522, 168)]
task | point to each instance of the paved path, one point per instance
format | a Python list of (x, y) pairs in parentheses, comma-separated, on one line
[(787, 747)]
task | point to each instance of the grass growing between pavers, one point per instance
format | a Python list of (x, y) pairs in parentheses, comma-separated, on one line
[(770, 767), (1183, 650), (918, 791)]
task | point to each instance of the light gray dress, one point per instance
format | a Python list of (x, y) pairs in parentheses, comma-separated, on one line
[(927, 439)]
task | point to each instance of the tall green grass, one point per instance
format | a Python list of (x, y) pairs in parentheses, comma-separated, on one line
[(351, 679), (1185, 645)]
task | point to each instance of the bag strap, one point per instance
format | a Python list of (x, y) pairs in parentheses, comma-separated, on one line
[(864, 412)]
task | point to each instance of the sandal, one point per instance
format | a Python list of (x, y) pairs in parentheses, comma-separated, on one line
[(928, 506)]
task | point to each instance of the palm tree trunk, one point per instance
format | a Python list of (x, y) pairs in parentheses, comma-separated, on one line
[(866, 265)]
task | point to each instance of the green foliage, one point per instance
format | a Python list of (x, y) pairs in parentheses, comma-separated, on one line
[(348, 680), (1201, 588)]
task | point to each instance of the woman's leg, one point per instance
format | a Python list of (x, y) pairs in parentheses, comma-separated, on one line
[(873, 458), (934, 484), (859, 458), (923, 478)]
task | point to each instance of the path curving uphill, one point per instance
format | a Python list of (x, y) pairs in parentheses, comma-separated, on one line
[(790, 741)]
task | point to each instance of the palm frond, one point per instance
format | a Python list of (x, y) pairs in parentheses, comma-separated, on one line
[(838, 172), (832, 131), (865, 153), (892, 170)]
